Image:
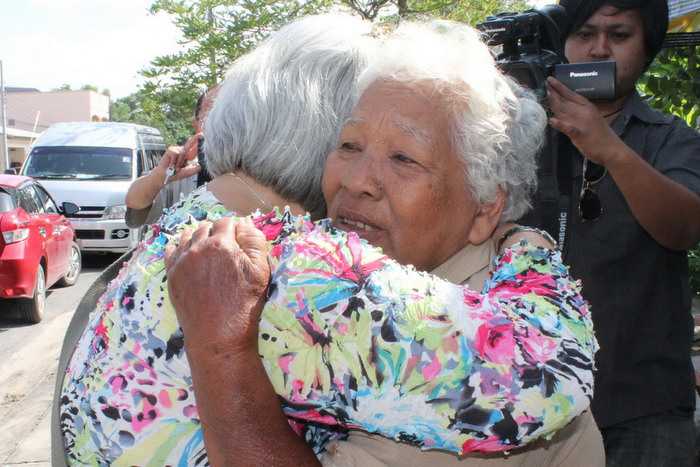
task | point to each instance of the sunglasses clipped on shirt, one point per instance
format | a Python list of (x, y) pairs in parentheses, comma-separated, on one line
[(589, 205)]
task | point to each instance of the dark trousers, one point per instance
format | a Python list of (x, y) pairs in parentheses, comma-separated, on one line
[(664, 440)]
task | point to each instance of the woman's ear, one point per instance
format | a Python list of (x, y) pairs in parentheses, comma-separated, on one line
[(487, 219)]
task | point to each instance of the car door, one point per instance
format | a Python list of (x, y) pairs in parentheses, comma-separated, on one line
[(61, 231), (39, 228)]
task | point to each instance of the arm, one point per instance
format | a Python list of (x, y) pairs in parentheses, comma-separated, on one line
[(351, 338), (647, 192), (234, 396)]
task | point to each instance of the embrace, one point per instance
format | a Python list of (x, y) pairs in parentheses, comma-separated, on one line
[(414, 318)]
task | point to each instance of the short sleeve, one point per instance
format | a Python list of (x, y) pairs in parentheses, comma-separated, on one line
[(679, 157)]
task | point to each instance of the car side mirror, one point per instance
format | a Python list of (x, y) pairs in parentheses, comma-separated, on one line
[(11, 171), (69, 208)]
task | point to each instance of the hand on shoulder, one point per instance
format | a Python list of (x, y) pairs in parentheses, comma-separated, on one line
[(509, 234)]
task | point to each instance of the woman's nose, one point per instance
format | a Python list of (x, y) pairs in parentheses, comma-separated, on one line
[(363, 177)]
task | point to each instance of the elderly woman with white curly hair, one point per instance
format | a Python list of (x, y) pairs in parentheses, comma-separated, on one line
[(433, 162)]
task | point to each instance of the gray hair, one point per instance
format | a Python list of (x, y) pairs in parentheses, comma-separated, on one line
[(279, 110), (497, 125)]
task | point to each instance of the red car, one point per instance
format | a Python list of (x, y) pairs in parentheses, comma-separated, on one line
[(38, 246)]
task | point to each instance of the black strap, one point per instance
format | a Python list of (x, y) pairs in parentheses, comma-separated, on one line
[(552, 202), (566, 152)]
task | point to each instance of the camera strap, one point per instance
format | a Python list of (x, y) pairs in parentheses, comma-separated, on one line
[(566, 153)]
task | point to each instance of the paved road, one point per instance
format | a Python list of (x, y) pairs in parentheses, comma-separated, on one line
[(28, 359)]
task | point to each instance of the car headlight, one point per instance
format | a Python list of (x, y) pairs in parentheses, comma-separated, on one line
[(115, 212)]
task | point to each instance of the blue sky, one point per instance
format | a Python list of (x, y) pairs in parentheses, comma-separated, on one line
[(46, 43)]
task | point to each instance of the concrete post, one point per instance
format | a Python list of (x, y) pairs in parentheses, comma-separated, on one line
[(3, 117)]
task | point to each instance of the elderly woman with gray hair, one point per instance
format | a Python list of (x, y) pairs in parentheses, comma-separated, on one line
[(311, 313)]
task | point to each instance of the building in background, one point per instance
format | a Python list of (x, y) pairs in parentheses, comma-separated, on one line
[(33, 110), (19, 143), (30, 111)]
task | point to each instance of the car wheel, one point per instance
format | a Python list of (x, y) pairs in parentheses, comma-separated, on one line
[(74, 267), (33, 308)]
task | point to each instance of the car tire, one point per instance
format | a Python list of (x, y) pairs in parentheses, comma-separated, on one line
[(32, 309), (76, 264)]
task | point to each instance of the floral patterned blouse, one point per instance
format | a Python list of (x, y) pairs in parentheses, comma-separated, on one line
[(350, 340)]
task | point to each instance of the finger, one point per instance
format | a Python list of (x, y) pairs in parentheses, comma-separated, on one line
[(175, 249), (202, 233), (568, 129), (192, 146), (163, 163), (186, 171), (565, 92), (251, 240), (225, 227), (553, 94), (170, 256), (181, 159)]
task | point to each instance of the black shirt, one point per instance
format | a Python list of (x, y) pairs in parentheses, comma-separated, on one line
[(638, 290)]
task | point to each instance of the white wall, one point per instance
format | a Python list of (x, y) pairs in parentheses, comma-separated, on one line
[(53, 107)]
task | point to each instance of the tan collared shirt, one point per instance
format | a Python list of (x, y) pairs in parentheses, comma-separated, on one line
[(577, 445)]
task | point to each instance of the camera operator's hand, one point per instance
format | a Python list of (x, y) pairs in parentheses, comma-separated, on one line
[(179, 157), (581, 121)]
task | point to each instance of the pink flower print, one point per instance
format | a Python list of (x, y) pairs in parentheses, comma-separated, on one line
[(490, 444), (537, 346), (495, 343)]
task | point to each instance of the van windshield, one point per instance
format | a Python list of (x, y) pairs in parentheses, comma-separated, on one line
[(82, 163)]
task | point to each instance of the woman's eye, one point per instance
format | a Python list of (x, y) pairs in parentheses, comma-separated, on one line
[(399, 157), (349, 146)]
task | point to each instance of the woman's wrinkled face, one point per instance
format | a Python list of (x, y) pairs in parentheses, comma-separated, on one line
[(395, 179)]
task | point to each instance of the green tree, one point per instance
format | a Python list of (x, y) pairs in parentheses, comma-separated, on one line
[(672, 85), (467, 11), (63, 87), (214, 34), (89, 87), (217, 32)]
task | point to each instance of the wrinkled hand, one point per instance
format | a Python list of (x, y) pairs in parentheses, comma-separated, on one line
[(580, 120), (533, 238), (217, 281), (179, 158)]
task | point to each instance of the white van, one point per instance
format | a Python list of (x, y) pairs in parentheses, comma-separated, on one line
[(93, 165)]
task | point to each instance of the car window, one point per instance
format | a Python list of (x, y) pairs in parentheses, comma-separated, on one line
[(28, 200), (45, 199), (7, 201)]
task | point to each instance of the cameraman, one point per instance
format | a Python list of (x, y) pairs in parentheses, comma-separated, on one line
[(635, 212), (155, 191)]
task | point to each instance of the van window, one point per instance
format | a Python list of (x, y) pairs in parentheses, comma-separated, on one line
[(140, 163), (155, 155), (82, 163)]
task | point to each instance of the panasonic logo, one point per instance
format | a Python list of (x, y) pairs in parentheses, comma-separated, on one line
[(496, 30), (587, 74)]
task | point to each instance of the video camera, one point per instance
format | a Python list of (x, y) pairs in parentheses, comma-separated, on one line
[(532, 50)]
